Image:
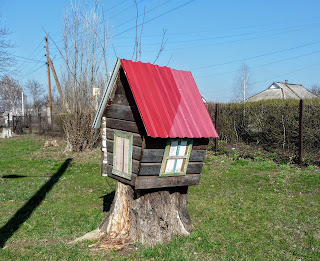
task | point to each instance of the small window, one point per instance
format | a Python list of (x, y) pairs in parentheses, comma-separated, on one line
[(176, 157), (122, 155)]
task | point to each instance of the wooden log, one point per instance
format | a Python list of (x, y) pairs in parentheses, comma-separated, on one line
[(122, 112), (120, 89), (120, 99), (153, 169), (161, 143), (136, 151), (156, 156), (136, 138), (129, 126), (148, 182)]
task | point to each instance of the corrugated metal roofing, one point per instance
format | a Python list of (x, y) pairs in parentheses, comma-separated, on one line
[(169, 101)]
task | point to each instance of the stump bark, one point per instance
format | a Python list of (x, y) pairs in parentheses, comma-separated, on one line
[(147, 216)]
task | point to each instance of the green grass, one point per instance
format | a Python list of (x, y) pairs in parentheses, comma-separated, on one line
[(243, 209)]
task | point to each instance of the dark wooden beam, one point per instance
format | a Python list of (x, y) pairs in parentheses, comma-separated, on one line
[(136, 138), (129, 126), (148, 182), (153, 169)]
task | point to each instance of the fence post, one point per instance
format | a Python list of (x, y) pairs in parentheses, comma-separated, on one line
[(13, 128), (216, 124), (301, 132), (39, 124), (30, 124)]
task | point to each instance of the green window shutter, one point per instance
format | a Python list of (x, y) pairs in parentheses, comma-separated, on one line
[(122, 155), (176, 157)]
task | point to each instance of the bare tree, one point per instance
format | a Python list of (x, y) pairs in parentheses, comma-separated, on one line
[(6, 59), (36, 91), (242, 83), (10, 94), (84, 71), (315, 89)]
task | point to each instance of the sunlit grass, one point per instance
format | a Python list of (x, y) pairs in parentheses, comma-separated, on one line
[(243, 209)]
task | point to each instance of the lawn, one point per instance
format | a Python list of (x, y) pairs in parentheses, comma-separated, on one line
[(244, 209)]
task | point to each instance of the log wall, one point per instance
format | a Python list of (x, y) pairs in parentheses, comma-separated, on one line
[(151, 160), (122, 114)]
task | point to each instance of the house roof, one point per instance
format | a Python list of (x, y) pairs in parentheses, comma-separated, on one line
[(168, 101), (280, 90)]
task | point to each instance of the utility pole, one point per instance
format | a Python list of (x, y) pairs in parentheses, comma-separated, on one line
[(49, 81), (57, 82)]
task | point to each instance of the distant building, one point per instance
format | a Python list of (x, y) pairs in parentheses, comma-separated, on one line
[(283, 90)]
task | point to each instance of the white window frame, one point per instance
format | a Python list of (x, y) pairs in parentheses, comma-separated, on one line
[(175, 163)]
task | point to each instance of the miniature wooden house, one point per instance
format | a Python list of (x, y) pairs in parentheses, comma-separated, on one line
[(155, 127)]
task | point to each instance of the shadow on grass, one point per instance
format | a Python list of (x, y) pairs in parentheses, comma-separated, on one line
[(13, 176), (107, 201), (25, 212)]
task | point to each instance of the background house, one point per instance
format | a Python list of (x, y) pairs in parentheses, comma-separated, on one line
[(280, 90)]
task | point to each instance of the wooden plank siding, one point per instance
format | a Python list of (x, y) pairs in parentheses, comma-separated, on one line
[(136, 138), (148, 182)]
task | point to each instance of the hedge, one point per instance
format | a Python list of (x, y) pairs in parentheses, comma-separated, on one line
[(273, 124)]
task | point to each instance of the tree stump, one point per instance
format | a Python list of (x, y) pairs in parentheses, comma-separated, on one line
[(148, 216)]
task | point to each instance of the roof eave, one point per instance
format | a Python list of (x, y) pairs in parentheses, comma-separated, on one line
[(106, 93)]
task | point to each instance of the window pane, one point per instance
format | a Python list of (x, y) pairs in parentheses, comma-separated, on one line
[(173, 148), (179, 165), (125, 155), (183, 148), (170, 165)]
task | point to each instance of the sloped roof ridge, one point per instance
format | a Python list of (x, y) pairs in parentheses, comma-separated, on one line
[(156, 65)]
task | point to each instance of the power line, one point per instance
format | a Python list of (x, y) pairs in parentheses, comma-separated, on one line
[(30, 73), (209, 31), (233, 41), (115, 6), (150, 10), (225, 42), (233, 35), (26, 65), (28, 59), (261, 65), (256, 56), (32, 53), (278, 76), (169, 11), (125, 9), (288, 73)]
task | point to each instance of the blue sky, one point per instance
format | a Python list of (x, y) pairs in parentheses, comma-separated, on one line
[(278, 40)]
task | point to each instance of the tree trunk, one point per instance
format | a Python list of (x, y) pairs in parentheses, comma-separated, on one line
[(148, 216)]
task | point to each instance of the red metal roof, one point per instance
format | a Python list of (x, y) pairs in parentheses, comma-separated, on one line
[(169, 101)]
